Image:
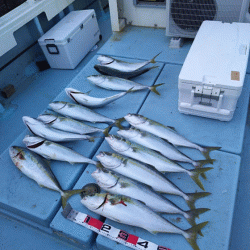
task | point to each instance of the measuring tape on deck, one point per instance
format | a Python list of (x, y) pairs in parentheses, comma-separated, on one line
[(109, 231)]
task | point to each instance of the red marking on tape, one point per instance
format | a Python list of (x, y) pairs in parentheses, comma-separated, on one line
[(94, 222), (132, 239)]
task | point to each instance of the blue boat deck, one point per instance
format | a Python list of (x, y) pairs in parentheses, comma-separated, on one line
[(30, 216)]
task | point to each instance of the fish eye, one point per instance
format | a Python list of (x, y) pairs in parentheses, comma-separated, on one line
[(101, 154), (129, 114)]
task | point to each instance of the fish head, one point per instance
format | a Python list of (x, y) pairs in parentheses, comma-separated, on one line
[(135, 119), (33, 141), (104, 60), (128, 133), (70, 92), (57, 105), (98, 79), (47, 118), (17, 155), (108, 160), (117, 143), (104, 177)]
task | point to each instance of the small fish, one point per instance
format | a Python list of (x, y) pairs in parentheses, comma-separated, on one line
[(40, 129), (118, 184), (167, 133), (134, 213), (104, 70), (82, 113), (116, 83), (54, 151), (156, 143), (123, 66), (152, 158), (147, 175), (68, 124), (89, 101), (34, 167)]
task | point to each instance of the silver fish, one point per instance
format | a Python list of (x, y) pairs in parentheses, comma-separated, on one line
[(132, 212), (79, 112), (116, 83), (89, 101), (156, 143), (40, 129), (33, 166), (118, 184), (167, 133), (54, 151), (123, 66), (152, 158), (68, 124), (147, 175)]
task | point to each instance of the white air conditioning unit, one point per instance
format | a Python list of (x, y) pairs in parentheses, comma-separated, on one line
[(184, 17)]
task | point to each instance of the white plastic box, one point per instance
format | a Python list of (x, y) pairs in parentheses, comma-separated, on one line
[(69, 41), (212, 76)]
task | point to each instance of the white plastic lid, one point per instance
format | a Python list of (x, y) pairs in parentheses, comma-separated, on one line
[(66, 27)]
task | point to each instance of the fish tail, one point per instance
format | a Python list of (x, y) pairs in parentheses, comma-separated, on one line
[(118, 122), (91, 139), (153, 88), (194, 213), (195, 173), (193, 197), (191, 234), (106, 130), (67, 194), (206, 151), (201, 163), (153, 59)]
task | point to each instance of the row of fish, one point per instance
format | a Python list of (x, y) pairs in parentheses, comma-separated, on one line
[(134, 175)]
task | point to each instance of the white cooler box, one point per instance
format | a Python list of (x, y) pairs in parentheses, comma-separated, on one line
[(68, 42), (212, 76)]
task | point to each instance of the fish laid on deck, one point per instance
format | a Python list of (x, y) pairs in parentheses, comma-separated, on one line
[(153, 158), (167, 133), (54, 151), (92, 102), (132, 212), (68, 124), (118, 184), (33, 166), (40, 129), (147, 175), (116, 83)]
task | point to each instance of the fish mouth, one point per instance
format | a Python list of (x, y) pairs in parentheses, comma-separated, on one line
[(70, 92), (47, 118), (132, 122), (33, 141), (96, 79), (15, 152), (29, 120)]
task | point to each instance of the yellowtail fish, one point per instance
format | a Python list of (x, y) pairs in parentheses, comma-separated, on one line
[(148, 156), (89, 101), (134, 213), (167, 133), (34, 167), (53, 151), (118, 184), (116, 83), (147, 175)]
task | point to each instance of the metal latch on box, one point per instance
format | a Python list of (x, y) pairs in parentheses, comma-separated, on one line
[(206, 94)]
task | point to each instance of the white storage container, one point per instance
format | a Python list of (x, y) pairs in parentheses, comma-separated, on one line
[(212, 76), (68, 42)]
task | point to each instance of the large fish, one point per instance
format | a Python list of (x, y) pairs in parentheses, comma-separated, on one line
[(148, 156), (89, 101), (118, 184), (82, 113), (156, 143), (123, 66), (33, 166), (116, 83), (68, 124), (54, 151), (147, 175), (104, 70), (40, 129), (167, 133), (134, 213)]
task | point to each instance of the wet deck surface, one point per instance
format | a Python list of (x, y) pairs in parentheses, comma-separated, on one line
[(38, 209)]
